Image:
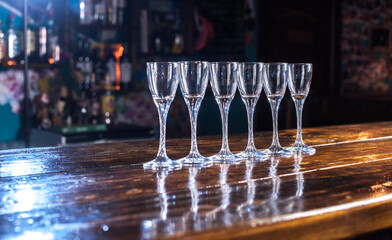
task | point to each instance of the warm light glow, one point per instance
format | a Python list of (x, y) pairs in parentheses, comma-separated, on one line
[(11, 63), (381, 188), (25, 198), (51, 61), (57, 53), (118, 73), (363, 136), (27, 235), (118, 52), (19, 168), (82, 9)]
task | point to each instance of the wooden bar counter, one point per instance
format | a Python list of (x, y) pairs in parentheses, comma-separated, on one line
[(102, 191)]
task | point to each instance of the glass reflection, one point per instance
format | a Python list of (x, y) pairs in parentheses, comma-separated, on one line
[(276, 181), (300, 183), (194, 192), (225, 198), (161, 177), (246, 207), (299, 174), (295, 203), (150, 227), (191, 218), (213, 205)]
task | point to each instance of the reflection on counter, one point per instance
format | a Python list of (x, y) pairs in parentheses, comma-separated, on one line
[(256, 198)]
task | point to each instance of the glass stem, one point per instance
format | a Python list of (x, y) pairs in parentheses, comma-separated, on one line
[(224, 105), (299, 103), (163, 108), (193, 108), (274, 108), (250, 109)]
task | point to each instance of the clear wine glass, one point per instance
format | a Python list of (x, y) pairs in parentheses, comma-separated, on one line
[(163, 82), (250, 84), (224, 85), (193, 82), (275, 83), (300, 76)]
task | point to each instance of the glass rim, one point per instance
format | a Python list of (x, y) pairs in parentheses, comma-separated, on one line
[(148, 63), (222, 62), (251, 63), (276, 63), (301, 63), (193, 62)]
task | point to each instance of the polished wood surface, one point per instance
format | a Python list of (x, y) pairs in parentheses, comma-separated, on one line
[(102, 192)]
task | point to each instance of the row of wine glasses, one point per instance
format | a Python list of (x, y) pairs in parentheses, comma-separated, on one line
[(163, 79)]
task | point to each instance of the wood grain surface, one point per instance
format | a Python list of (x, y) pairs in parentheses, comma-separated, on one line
[(102, 191)]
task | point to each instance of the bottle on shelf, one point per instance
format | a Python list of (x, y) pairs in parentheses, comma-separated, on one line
[(68, 107), (32, 51), (158, 44), (79, 57), (83, 64), (43, 111), (112, 6), (88, 64), (83, 104), (45, 40), (111, 64), (100, 11), (125, 68), (68, 120), (99, 67), (55, 48), (85, 11), (61, 108), (108, 102), (50, 47), (42, 41), (2, 46), (178, 43), (95, 103), (122, 4), (14, 49)]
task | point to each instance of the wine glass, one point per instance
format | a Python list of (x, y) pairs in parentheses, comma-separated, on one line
[(275, 83), (193, 83), (300, 76), (224, 84), (250, 84), (163, 82)]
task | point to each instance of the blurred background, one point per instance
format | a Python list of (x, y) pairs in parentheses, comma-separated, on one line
[(87, 64)]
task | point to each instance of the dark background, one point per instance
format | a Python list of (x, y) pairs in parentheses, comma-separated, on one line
[(274, 30)]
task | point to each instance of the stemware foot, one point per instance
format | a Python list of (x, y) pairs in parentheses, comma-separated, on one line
[(277, 150), (195, 160), (301, 148), (225, 157), (162, 163), (253, 154)]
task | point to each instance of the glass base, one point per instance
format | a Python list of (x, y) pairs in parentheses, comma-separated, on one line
[(195, 160), (302, 148), (225, 156), (277, 150), (252, 154), (162, 163)]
